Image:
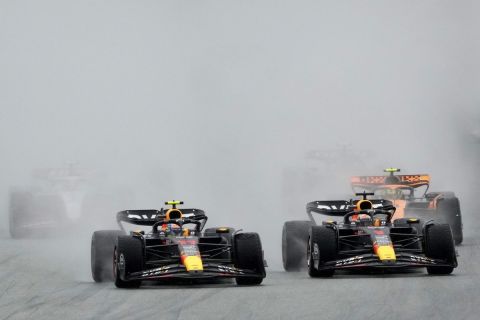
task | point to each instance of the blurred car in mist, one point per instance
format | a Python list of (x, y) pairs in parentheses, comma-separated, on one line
[(61, 197), (410, 196)]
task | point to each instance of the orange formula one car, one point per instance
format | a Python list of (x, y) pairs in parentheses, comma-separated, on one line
[(410, 196)]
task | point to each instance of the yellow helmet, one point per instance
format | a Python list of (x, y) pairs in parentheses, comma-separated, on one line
[(364, 205), (173, 214)]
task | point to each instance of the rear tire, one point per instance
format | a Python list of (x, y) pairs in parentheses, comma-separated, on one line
[(294, 244), (101, 253), (248, 254), (128, 259), (449, 212), (439, 245), (322, 241)]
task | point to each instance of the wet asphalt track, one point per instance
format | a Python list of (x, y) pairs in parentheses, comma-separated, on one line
[(35, 284)]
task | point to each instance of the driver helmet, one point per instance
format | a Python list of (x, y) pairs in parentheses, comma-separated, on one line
[(364, 205), (173, 214), (363, 218), (172, 228)]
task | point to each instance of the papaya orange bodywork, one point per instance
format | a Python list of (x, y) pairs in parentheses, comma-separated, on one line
[(400, 206)]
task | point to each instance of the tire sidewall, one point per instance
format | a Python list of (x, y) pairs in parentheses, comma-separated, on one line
[(294, 244), (449, 212), (249, 255)]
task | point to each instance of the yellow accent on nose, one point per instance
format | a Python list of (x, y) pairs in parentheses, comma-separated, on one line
[(386, 253), (193, 263)]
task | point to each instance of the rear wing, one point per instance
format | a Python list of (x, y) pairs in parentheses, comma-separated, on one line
[(342, 207), (331, 207), (140, 217), (372, 182), (148, 217)]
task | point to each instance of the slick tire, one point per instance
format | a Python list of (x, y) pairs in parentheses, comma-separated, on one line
[(439, 245), (128, 255), (294, 244), (248, 254), (19, 210), (101, 254), (449, 212), (322, 242)]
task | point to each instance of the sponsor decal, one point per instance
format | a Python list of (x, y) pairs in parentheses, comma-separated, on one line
[(188, 242), (344, 206), (142, 217), (333, 207), (382, 240), (121, 262), (352, 260), (419, 259), (155, 272), (227, 269), (190, 250), (153, 216), (373, 179), (316, 252)]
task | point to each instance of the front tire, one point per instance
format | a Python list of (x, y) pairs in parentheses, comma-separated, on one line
[(249, 255), (449, 212), (439, 245), (322, 248), (128, 258), (294, 244), (101, 253)]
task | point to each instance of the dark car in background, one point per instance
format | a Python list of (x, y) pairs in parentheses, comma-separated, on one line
[(58, 198)]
